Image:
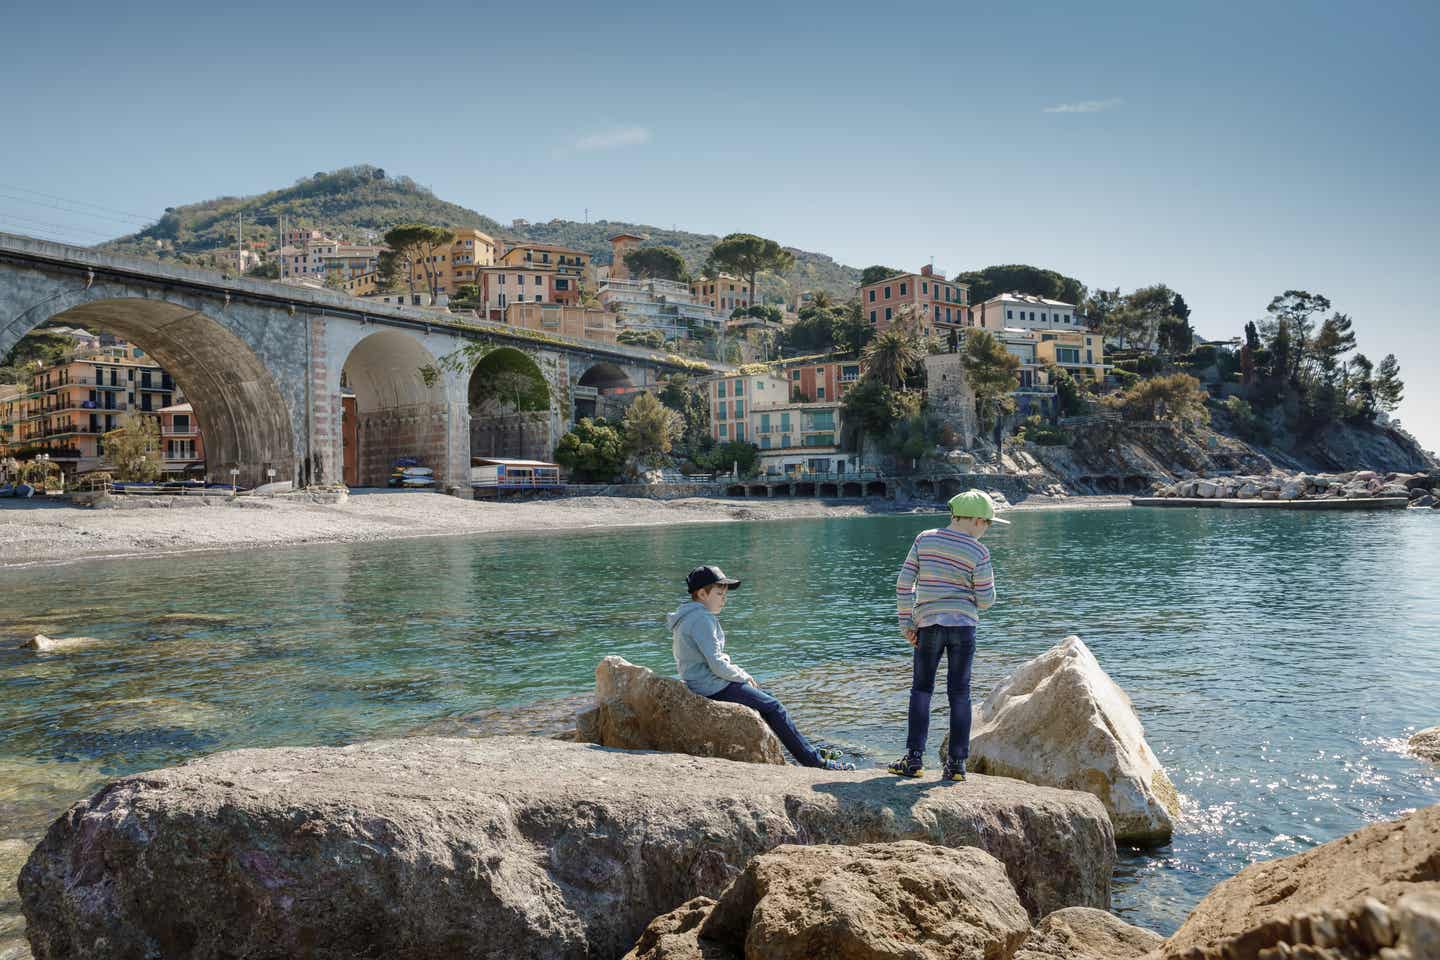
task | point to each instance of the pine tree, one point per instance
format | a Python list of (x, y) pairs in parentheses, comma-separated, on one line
[(1389, 389)]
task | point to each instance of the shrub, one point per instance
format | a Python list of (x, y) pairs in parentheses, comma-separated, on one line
[(1036, 430)]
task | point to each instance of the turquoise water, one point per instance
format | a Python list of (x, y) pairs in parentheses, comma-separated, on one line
[(1277, 660)]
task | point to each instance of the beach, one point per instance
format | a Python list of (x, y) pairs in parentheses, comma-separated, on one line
[(39, 532)]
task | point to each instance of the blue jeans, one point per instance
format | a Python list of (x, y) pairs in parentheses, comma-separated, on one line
[(958, 644), (772, 711)]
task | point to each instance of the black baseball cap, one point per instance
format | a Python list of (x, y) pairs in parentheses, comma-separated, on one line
[(702, 577)]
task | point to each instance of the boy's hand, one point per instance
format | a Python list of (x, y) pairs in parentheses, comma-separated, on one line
[(911, 635)]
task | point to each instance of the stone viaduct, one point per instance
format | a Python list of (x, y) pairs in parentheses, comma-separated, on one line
[(285, 378)]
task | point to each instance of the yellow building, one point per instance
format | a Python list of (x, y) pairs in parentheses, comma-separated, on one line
[(458, 265), (70, 405), (1082, 352)]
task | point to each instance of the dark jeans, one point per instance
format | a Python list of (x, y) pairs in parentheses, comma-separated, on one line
[(958, 644), (772, 711)]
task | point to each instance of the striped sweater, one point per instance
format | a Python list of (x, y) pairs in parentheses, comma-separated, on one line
[(946, 575)]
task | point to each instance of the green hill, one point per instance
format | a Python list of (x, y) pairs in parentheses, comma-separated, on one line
[(362, 201)]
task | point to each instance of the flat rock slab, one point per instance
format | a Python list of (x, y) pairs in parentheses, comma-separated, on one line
[(1357, 503), (508, 846)]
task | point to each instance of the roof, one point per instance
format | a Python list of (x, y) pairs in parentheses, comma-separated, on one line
[(627, 236), (177, 408), (1029, 298), (543, 246), (936, 277), (507, 462)]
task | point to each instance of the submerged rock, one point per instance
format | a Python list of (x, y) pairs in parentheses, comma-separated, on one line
[(1348, 891), (636, 709), (46, 644), (510, 846), (1059, 720), (1426, 744), (1084, 933)]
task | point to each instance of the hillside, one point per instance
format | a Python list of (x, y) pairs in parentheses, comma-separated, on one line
[(363, 200)]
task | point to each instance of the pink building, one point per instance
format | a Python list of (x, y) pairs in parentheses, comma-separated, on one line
[(180, 436), (937, 304)]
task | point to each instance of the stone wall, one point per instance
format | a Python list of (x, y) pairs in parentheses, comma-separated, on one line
[(419, 431), (525, 436)]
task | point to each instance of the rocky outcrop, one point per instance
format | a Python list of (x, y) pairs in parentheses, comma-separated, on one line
[(1059, 720), (1421, 489), (1345, 896), (1084, 933), (1426, 744), (510, 846), (904, 899), (635, 709)]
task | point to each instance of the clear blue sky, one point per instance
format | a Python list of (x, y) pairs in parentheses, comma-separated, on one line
[(1231, 150)]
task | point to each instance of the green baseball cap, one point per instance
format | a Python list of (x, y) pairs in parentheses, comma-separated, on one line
[(974, 503)]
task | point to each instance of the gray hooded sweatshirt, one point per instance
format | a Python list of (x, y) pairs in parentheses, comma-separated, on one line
[(699, 647)]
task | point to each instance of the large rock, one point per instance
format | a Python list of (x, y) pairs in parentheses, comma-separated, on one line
[(508, 846), (46, 644), (1084, 933), (1059, 720), (905, 899), (1347, 890), (1426, 744), (636, 709), (1292, 490)]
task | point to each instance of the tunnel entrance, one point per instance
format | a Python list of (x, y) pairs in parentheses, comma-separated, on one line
[(397, 416)]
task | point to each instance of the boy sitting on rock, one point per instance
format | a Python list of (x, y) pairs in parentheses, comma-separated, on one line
[(944, 583), (699, 646)]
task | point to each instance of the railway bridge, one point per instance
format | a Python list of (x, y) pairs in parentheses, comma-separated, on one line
[(320, 387)]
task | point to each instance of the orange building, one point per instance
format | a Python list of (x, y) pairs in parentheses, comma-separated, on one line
[(621, 244), (937, 304), (471, 251), (723, 293), (579, 322)]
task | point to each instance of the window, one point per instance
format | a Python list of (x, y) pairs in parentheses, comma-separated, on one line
[(924, 287), (1032, 316), (739, 430), (795, 374), (764, 443), (724, 431), (520, 279), (764, 423), (785, 440), (539, 281), (902, 289), (739, 387), (1089, 356), (947, 314), (739, 409), (887, 314), (819, 393), (1009, 314), (1067, 354), (887, 293), (720, 411), (872, 316), (937, 313), (538, 298), (760, 385), (784, 423), (562, 284), (872, 296), (720, 389)]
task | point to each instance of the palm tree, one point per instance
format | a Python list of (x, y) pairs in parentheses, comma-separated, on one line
[(891, 356), (821, 300)]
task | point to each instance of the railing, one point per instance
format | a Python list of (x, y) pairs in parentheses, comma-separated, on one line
[(176, 432)]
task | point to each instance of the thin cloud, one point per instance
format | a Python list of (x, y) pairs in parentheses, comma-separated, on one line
[(1086, 106), (610, 139)]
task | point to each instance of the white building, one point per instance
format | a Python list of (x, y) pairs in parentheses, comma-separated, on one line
[(664, 305), (1022, 311)]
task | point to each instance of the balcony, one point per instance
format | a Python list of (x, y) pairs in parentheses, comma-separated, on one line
[(178, 432)]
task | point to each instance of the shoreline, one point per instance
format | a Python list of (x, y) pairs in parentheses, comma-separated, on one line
[(44, 534)]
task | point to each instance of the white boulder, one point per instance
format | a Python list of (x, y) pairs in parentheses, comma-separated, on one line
[(1292, 490), (1248, 490), (46, 644), (1060, 721), (1207, 489)]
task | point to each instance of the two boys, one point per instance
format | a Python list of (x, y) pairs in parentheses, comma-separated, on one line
[(944, 583)]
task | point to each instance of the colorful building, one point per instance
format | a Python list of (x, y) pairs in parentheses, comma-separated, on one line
[(724, 293), (937, 305), (815, 380), (1082, 352), (662, 305), (180, 438), (70, 405), (793, 437), (1021, 311), (460, 264)]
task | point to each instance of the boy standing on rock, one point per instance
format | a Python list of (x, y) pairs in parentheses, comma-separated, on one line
[(944, 583), (699, 647)]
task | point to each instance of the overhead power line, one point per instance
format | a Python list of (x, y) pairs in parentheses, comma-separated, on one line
[(83, 203)]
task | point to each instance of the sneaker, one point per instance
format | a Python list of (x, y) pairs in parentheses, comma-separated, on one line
[(910, 765), (953, 771), (829, 764)]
